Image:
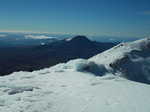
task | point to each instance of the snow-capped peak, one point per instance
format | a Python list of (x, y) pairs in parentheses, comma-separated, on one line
[(68, 39), (77, 38)]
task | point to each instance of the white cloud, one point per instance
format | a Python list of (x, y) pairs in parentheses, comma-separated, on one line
[(144, 12), (3, 35), (38, 37)]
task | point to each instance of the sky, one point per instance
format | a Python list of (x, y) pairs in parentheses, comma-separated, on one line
[(123, 18)]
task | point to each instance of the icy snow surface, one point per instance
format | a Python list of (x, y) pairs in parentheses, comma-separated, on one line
[(71, 91)]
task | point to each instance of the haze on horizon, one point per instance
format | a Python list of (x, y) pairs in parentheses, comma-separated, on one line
[(124, 18)]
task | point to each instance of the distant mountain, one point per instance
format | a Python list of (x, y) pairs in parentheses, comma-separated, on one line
[(77, 47), (29, 58)]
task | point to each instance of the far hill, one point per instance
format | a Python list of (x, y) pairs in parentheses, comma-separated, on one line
[(37, 57)]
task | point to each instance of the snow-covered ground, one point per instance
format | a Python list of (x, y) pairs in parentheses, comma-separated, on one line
[(71, 91), (76, 86)]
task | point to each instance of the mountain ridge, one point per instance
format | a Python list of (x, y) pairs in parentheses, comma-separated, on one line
[(131, 59), (74, 87)]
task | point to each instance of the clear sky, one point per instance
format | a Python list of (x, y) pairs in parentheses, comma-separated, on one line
[(93, 17)]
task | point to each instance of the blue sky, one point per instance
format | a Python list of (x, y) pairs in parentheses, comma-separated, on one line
[(124, 18)]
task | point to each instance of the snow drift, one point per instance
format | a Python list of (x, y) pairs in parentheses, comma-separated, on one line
[(81, 65)]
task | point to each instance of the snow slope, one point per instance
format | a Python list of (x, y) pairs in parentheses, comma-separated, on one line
[(76, 86), (131, 59)]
